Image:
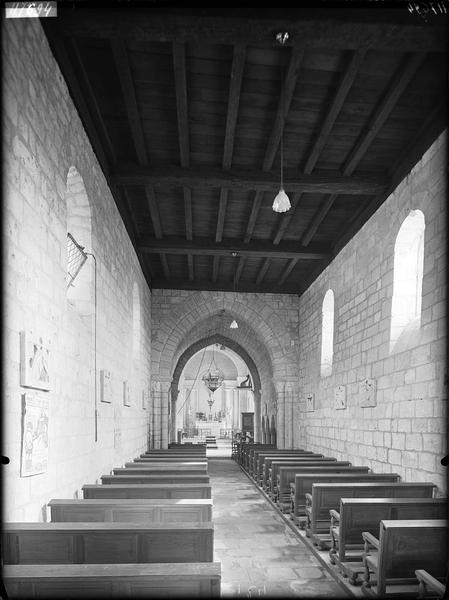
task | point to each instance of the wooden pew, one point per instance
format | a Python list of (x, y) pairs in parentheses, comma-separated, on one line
[(155, 510), (266, 465), (56, 543), (244, 448), (254, 457), (303, 485), (429, 586), (402, 546), (175, 468), (365, 514), (167, 459), (283, 475), (148, 490), (157, 580), (163, 478)]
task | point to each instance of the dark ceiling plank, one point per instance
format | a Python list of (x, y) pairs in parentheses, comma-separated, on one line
[(323, 181), (129, 95), (401, 79), (286, 218), (221, 214), (154, 211), (207, 246), (165, 267), (91, 100), (333, 111), (288, 269), (317, 219), (263, 271), (179, 64), (225, 286), (148, 25), (77, 93), (215, 268), (190, 267), (238, 65), (188, 212)]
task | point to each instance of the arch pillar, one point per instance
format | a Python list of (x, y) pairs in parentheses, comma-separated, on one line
[(286, 392), (257, 416), (174, 393), (160, 404)]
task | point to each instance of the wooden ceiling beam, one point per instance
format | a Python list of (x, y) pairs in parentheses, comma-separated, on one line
[(323, 181), (159, 26), (154, 211), (215, 268), (334, 109), (285, 98), (382, 111), (179, 65), (225, 286), (188, 212), (235, 85), (190, 267), (263, 271), (317, 219), (287, 217), (165, 267), (221, 214), (239, 270), (207, 246), (288, 269), (129, 95)]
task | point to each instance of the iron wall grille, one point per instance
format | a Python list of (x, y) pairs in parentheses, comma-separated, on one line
[(76, 257)]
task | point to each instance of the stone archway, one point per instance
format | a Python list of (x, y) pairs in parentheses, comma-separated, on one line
[(216, 338)]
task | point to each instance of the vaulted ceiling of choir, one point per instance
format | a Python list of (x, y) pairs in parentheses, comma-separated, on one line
[(186, 110)]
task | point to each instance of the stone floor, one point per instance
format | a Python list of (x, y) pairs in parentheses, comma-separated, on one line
[(259, 553)]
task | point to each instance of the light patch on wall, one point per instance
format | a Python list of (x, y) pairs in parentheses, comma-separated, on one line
[(310, 402), (105, 386)]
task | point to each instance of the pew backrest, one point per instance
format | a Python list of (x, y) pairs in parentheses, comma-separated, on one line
[(165, 478), (180, 580), (56, 543), (164, 468), (148, 490), (132, 510), (283, 475)]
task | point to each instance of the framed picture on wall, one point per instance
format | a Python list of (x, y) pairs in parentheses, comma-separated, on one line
[(310, 402), (340, 397), (105, 386), (35, 412), (34, 361), (367, 393), (126, 394)]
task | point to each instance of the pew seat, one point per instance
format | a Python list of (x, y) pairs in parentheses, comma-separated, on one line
[(174, 468), (132, 510), (162, 458), (147, 490), (304, 482), (429, 586), (365, 514), (157, 580), (402, 547), (69, 543), (161, 478)]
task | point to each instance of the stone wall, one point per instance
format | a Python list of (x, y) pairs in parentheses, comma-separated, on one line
[(406, 431), (43, 138)]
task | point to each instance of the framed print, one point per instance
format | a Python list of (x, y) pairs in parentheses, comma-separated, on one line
[(310, 402), (34, 435), (340, 397), (368, 393), (105, 386), (34, 361)]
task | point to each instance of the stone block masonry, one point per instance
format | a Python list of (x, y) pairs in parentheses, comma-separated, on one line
[(43, 138), (407, 427)]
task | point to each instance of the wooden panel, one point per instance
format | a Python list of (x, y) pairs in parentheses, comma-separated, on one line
[(147, 491), (283, 475), (182, 580), (132, 511), (42, 543)]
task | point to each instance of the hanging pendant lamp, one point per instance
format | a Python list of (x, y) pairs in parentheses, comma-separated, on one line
[(282, 202)]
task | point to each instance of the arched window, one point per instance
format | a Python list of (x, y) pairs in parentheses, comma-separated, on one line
[(327, 334), (407, 278), (79, 230)]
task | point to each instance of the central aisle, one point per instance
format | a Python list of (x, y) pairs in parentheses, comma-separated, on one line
[(260, 555)]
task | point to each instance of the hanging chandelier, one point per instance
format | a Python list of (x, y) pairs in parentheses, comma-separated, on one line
[(282, 202), (213, 377)]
